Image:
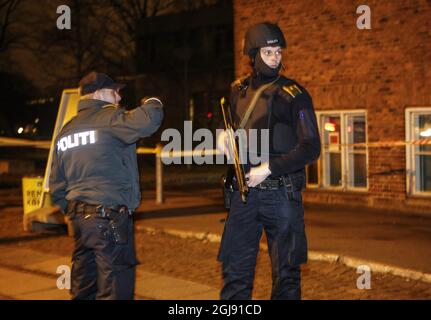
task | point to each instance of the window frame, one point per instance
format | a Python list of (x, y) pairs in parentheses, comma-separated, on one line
[(410, 113), (344, 116)]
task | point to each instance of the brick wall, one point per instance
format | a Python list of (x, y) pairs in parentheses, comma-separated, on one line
[(383, 70)]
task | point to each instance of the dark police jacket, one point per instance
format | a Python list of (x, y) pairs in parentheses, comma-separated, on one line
[(286, 109), (94, 160)]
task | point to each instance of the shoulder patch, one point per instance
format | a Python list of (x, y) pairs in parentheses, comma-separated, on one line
[(292, 89), (241, 83), (109, 106)]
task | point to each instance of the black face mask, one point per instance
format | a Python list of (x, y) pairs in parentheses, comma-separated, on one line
[(263, 71)]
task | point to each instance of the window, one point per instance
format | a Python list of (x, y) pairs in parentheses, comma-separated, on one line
[(331, 152), (356, 154), (343, 161), (418, 133)]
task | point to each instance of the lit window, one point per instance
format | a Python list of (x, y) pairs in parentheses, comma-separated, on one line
[(331, 152), (343, 161), (418, 136)]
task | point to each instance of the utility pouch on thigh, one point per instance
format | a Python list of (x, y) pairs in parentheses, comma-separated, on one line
[(227, 192), (293, 185), (119, 224), (227, 196)]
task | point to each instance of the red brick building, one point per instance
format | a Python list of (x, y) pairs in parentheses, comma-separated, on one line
[(368, 86)]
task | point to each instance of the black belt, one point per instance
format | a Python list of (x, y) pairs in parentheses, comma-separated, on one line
[(292, 182), (271, 184), (82, 208)]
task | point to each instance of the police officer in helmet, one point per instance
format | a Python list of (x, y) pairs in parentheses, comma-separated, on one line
[(274, 202), (94, 179)]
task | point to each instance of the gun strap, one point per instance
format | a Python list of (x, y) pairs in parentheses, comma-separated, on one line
[(253, 102)]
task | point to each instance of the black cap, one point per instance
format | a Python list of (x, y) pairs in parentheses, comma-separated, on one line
[(95, 81), (263, 35)]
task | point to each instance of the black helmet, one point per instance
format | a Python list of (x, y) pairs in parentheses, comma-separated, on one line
[(263, 35)]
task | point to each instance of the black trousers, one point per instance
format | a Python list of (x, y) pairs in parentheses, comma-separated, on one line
[(101, 269), (282, 218)]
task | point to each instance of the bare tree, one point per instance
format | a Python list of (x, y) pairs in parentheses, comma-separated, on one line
[(66, 55), (7, 7), (10, 21), (102, 37), (125, 15)]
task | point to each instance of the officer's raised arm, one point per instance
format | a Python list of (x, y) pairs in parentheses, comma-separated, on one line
[(130, 126), (308, 144)]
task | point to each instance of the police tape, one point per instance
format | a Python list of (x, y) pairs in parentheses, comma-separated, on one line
[(46, 144), (142, 150), (16, 142), (180, 153), (383, 144), (216, 152)]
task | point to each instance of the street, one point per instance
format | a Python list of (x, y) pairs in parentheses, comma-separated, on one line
[(178, 267)]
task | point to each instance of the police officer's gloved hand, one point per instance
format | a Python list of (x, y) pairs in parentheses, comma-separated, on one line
[(146, 100), (258, 174)]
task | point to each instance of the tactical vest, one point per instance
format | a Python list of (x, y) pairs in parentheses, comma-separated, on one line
[(273, 111)]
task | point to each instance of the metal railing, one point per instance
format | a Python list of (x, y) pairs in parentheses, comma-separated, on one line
[(159, 154)]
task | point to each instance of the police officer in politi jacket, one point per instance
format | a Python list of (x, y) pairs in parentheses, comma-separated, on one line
[(94, 179)]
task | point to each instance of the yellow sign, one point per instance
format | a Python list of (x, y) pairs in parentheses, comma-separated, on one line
[(31, 193)]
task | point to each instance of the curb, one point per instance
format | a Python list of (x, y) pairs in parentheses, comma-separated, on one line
[(312, 255)]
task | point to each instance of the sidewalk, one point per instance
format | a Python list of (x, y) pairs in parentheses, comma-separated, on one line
[(28, 266), (172, 267), (398, 240), (33, 275)]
